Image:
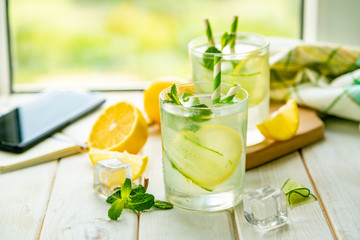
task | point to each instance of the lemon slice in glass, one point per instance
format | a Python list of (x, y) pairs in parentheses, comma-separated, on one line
[(207, 157)]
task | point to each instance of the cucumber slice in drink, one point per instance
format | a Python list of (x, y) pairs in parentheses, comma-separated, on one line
[(207, 157)]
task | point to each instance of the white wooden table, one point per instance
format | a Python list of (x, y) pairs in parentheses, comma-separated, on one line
[(55, 200)]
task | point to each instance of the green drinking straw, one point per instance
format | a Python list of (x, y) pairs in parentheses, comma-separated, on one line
[(209, 32), (231, 93), (217, 80), (233, 32)]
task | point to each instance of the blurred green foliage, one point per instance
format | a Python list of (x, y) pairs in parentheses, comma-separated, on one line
[(147, 38)]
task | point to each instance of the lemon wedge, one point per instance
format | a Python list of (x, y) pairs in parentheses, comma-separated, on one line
[(282, 124), (137, 163)]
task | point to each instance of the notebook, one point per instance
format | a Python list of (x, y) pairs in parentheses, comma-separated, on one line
[(55, 147)]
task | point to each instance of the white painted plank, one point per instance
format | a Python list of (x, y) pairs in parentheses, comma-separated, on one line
[(177, 223), (75, 211), (305, 222), (334, 165), (23, 198)]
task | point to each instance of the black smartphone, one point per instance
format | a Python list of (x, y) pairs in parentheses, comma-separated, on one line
[(27, 125)]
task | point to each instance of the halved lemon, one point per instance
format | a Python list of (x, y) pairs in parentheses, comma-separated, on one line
[(120, 127), (138, 163), (207, 157), (282, 124)]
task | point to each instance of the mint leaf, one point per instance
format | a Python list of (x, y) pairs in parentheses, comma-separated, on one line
[(228, 100), (126, 189), (137, 189), (116, 209), (192, 127), (194, 101), (200, 115), (200, 106), (190, 100), (173, 95), (115, 196), (167, 101), (141, 202), (209, 60), (162, 205), (186, 96), (226, 39)]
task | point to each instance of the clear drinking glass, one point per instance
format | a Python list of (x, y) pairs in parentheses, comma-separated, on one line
[(204, 147), (247, 65)]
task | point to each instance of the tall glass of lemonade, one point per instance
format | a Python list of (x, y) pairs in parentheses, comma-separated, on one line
[(247, 64), (204, 147)]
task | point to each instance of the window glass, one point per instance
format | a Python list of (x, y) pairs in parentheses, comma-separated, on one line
[(87, 42)]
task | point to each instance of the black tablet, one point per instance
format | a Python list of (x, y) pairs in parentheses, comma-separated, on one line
[(30, 123)]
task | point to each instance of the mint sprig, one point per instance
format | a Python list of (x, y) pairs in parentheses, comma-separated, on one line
[(141, 202), (173, 95), (134, 198), (194, 102), (209, 60), (116, 209), (126, 189)]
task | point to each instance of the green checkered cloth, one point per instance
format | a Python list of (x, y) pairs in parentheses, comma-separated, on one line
[(323, 77)]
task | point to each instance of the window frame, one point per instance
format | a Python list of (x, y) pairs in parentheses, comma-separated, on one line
[(5, 58), (6, 77)]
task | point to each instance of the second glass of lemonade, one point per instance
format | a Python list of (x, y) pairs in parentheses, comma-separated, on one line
[(204, 147), (247, 64)]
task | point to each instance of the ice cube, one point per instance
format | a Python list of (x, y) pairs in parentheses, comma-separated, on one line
[(109, 174), (265, 207)]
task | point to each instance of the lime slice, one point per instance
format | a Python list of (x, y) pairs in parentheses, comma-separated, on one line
[(297, 194), (295, 199), (202, 159), (305, 192), (291, 185)]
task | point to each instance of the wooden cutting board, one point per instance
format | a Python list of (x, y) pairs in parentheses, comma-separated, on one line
[(311, 129)]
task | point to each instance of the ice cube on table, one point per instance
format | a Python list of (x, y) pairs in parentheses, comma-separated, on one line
[(265, 207), (109, 174)]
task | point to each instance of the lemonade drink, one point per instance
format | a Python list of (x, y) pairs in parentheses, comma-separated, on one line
[(247, 65), (203, 148)]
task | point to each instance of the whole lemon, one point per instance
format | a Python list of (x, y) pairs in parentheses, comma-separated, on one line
[(151, 96)]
